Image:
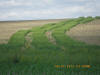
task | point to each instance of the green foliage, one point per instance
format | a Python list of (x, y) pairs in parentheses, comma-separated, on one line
[(18, 38), (86, 20), (97, 17)]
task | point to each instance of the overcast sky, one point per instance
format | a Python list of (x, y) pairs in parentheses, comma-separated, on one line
[(47, 9)]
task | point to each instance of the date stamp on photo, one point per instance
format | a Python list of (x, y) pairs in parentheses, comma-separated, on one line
[(72, 66)]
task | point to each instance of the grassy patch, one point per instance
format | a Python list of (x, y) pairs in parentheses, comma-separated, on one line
[(43, 55)]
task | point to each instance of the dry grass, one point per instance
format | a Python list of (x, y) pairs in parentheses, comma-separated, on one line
[(9, 28), (88, 33), (50, 37)]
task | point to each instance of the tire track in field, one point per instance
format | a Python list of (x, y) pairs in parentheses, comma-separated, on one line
[(28, 41), (52, 39)]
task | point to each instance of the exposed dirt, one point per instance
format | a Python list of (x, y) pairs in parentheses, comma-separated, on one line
[(28, 40), (10, 27), (88, 33), (51, 39)]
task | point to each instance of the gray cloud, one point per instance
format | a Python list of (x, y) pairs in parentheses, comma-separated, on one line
[(47, 9)]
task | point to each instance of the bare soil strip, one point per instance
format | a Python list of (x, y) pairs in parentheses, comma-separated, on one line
[(28, 40), (51, 39), (8, 28), (88, 33)]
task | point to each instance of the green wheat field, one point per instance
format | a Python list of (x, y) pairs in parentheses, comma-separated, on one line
[(36, 51)]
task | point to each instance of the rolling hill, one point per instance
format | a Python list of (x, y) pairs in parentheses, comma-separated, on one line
[(38, 51)]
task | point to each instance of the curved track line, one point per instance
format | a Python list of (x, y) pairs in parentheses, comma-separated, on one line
[(28, 40), (52, 39)]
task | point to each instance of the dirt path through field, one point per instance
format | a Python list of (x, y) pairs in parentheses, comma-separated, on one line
[(88, 33), (52, 39), (28, 40)]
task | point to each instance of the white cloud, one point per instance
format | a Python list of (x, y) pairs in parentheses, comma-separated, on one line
[(25, 2), (45, 13), (14, 3), (49, 9), (47, 1), (78, 0)]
